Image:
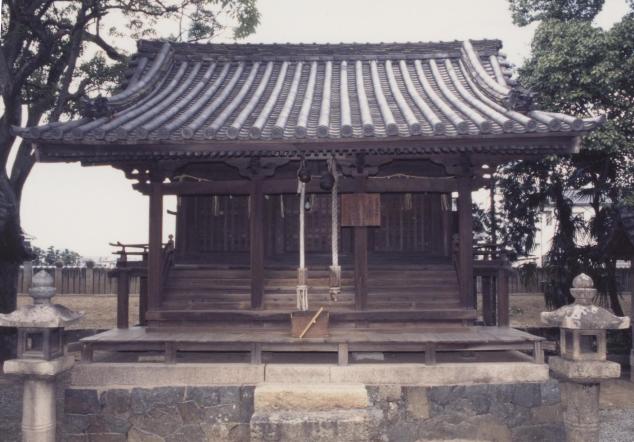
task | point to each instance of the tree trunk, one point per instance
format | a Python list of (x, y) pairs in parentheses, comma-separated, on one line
[(9, 272), (12, 248), (613, 295)]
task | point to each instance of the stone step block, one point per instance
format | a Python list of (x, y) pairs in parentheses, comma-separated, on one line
[(310, 397), (317, 426)]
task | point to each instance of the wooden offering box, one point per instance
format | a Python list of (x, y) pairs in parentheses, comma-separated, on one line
[(301, 320)]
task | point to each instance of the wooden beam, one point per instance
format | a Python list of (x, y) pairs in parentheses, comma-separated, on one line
[(511, 146), (465, 232), (289, 185), (256, 242), (155, 250), (251, 316)]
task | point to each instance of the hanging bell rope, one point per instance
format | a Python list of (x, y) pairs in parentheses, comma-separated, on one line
[(302, 287), (335, 269)]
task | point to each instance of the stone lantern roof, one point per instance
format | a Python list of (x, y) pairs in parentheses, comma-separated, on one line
[(582, 314), (42, 313)]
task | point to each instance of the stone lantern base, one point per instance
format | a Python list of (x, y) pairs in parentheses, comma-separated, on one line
[(38, 403), (588, 372), (580, 386)]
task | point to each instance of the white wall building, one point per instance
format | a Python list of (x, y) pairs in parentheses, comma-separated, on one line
[(547, 225)]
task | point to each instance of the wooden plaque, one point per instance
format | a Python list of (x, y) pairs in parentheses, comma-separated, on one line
[(360, 209)]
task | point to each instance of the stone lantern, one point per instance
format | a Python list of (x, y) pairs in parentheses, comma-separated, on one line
[(40, 356), (582, 364)]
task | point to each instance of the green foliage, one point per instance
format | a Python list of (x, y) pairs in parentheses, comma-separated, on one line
[(527, 11), (583, 70), (51, 255), (54, 52)]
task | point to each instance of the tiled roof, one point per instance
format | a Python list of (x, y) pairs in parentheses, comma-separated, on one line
[(190, 93)]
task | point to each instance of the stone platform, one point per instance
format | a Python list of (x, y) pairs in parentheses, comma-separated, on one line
[(480, 399), (150, 375), (503, 411)]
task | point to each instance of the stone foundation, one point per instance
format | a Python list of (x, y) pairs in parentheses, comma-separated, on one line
[(495, 412), (171, 414)]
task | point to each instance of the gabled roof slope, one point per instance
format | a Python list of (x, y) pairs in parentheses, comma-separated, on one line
[(194, 93)]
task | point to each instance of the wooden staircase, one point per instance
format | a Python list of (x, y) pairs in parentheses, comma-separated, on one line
[(410, 287), (396, 294), (216, 288)]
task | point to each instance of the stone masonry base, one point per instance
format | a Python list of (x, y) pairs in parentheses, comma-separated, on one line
[(494, 412)]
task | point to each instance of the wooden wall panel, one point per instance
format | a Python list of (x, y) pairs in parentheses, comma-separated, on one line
[(214, 224), (360, 209), (409, 223)]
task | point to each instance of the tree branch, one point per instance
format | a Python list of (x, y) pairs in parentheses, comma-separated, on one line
[(108, 49), (75, 46)]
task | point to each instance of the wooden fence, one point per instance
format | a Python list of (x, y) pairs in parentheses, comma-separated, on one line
[(76, 280), (516, 285), (82, 280)]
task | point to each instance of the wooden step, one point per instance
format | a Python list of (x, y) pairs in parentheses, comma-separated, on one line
[(391, 315)]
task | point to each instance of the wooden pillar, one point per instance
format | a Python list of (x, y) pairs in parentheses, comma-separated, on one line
[(488, 300), (361, 258), (503, 296), (155, 246), (123, 297), (142, 299), (465, 232), (256, 242), (494, 239), (632, 316)]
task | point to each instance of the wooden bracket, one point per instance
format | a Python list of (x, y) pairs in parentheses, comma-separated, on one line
[(257, 167), (362, 164)]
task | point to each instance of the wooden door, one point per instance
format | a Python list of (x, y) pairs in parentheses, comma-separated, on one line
[(213, 224), (409, 223)]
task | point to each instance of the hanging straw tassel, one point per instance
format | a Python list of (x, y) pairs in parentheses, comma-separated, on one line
[(335, 269), (302, 287)]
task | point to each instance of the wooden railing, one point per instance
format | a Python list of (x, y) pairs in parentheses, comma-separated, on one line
[(167, 261), (126, 269), (493, 268)]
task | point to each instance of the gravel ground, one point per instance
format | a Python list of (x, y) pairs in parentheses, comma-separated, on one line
[(101, 309), (617, 425)]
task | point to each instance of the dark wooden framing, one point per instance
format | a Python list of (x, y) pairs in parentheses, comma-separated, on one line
[(256, 223), (463, 173), (155, 246), (255, 343), (465, 234)]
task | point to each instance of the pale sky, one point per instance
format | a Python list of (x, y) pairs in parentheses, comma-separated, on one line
[(84, 208)]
